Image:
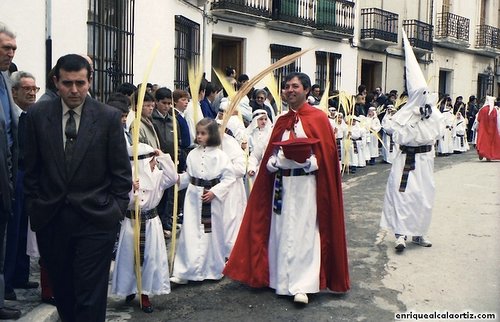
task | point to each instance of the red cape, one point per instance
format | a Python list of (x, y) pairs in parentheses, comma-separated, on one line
[(488, 138), (248, 262)]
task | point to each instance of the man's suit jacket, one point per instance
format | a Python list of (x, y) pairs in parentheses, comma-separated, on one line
[(8, 157), (99, 179)]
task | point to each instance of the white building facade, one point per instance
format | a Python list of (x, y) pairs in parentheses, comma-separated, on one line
[(457, 42)]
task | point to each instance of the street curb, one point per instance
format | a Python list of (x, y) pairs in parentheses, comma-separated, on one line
[(41, 313)]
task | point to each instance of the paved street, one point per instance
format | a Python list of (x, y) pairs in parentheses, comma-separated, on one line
[(458, 274)]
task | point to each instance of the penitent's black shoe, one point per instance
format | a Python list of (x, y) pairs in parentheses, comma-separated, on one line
[(7, 313)]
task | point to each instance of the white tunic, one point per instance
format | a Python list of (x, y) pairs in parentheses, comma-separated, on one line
[(459, 135), (373, 134), (387, 154), (445, 143), (294, 241), (341, 136), (409, 212), (200, 255), (154, 271), (355, 146), (236, 201)]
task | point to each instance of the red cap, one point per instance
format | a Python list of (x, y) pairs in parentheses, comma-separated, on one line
[(297, 149)]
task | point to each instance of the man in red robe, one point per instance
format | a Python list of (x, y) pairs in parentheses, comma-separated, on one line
[(488, 137), (250, 261)]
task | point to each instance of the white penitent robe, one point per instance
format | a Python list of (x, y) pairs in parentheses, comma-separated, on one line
[(409, 212), (294, 241), (154, 271), (257, 140), (355, 147), (340, 136), (236, 201), (373, 134), (460, 135), (389, 148), (200, 255), (445, 144)]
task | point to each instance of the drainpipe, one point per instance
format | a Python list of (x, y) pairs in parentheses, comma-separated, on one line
[(48, 36)]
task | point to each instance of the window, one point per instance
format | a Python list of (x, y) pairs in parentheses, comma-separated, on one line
[(321, 70), (280, 51), (110, 26), (187, 49)]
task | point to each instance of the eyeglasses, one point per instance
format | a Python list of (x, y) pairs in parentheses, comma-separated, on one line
[(28, 89)]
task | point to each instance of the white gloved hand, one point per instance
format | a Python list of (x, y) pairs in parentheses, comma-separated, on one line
[(271, 164), (312, 164)]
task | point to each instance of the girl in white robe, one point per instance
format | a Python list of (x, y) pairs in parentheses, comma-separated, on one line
[(209, 176), (153, 180)]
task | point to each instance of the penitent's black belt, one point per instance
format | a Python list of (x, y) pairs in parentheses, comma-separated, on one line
[(145, 215), (410, 152), (206, 209), (204, 183), (295, 172)]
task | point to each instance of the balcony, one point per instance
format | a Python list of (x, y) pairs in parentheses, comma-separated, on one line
[(452, 31), (295, 16), (488, 40), (242, 11), (334, 19), (419, 35), (379, 28)]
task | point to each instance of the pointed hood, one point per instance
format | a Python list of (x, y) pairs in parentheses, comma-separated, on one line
[(418, 92)]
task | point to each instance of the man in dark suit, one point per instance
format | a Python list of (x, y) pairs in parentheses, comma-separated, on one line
[(8, 152), (77, 182)]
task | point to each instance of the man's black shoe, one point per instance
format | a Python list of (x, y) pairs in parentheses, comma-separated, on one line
[(27, 285), (7, 313), (11, 296)]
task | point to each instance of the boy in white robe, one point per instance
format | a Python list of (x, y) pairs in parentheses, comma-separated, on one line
[(156, 173)]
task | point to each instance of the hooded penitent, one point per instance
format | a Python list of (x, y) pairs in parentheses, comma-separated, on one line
[(418, 92)]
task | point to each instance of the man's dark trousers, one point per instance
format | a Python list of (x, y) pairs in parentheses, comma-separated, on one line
[(71, 241)]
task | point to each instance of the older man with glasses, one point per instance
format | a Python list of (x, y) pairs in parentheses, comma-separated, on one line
[(17, 263)]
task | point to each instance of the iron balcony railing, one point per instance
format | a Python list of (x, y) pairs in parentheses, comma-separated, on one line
[(450, 25), (254, 7), (301, 12), (336, 16), (419, 33), (379, 24), (487, 36)]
